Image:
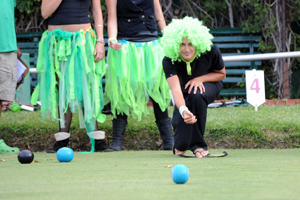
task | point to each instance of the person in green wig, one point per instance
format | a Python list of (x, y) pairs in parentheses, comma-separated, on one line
[(9, 52), (71, 66), (194, 69), (134, 67)]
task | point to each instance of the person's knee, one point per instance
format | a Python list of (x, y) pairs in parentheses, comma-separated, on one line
[(198, 97)]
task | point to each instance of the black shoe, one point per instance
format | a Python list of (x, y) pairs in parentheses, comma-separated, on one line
[(58, 145), (100, 146)]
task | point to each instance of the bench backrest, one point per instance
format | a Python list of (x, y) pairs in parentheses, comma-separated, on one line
[(232, 41)]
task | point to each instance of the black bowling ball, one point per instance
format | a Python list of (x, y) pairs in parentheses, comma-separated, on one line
[(25, 157)]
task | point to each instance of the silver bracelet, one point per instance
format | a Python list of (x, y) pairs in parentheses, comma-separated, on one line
[(100, 25), (99, 40)]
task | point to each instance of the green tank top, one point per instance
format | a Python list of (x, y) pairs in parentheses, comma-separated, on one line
[(8, 41)]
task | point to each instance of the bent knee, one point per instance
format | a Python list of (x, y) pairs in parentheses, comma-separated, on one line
[(197, 97)]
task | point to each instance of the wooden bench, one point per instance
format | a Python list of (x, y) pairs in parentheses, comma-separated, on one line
[(231, 41)]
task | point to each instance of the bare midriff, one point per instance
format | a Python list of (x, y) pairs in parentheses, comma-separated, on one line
[(70, 28)]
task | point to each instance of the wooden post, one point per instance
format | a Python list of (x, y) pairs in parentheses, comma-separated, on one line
[(285, 69)]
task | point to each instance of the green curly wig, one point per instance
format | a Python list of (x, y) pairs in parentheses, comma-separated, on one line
[(189, 27)]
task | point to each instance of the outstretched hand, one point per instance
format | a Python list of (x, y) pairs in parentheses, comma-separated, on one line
[(115, 45), (189, 117)]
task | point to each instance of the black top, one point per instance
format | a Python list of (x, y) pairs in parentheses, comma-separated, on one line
[(136, 21), (136, 1), (71, 12), (206, 63)]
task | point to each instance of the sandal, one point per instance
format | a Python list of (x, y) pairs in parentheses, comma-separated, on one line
[(200, 153), (4, 149), (174, 152)]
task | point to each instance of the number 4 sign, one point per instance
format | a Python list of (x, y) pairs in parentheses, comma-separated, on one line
[(255, 87)]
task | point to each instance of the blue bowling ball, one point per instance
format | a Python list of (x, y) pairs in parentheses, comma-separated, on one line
[(65, 154), (180, 174)]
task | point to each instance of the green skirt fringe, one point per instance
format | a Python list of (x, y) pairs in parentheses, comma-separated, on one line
[(68, 57), (134, 74)]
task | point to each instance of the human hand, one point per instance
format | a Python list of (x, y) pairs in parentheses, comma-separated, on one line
[(99, 51), (19, 53), (188, 117), (195, 84), (115, 45)]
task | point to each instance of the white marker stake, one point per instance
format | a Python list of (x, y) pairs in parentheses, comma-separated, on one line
[(255, 87)]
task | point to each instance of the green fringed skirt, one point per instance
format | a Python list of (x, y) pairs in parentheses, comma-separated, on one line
[(134, 74), (69, 77)]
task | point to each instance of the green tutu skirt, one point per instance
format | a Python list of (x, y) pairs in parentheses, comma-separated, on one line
[(69, 77), (134, 74)]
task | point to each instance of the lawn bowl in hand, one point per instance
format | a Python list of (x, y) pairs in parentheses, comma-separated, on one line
[(25, 157), (65, 154), (180, 174)]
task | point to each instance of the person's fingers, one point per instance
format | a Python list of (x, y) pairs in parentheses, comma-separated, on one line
[(190, 118), (202, 89), (195, 89), (115, 45), (97, 58), (187, 84), (190, 89), (101, 56)]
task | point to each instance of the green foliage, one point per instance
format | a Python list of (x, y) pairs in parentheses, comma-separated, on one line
[(29, 6), (259, 19), (212, 7)]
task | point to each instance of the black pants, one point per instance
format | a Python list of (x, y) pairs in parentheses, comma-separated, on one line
[(190, 136)]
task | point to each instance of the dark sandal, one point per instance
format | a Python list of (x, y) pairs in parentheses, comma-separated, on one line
[(200, 153), (173, 149)]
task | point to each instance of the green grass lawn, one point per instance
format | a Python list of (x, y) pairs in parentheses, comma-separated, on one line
[(243, 174)]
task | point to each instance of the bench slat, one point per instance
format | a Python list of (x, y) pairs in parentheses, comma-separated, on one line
[(242, 64), (237, 39), (233, 80), (225, 31), (29, 35), (28, 45), (236, 45), (233, 92), (235, 71)]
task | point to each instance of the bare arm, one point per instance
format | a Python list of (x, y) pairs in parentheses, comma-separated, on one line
[(112, 24), (19, 52), (197, 82), (98, 19), (48, 7), (174, 84), (158, 15)]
